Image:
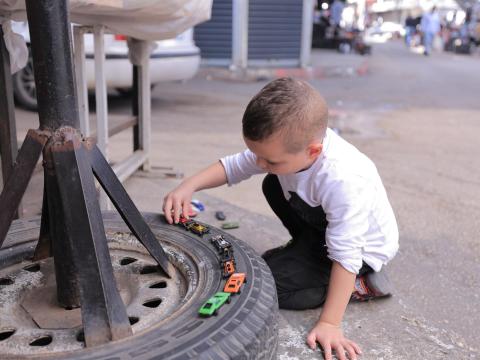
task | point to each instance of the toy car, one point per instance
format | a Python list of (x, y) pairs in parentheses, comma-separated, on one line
[(234, 283), (198, 228), (214, 303), (228, 268), (193, 226), (220, 243), (227, 255)]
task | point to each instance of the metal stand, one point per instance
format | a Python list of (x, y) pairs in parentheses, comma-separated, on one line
[(141, 119), (72, 226), (8, 133)]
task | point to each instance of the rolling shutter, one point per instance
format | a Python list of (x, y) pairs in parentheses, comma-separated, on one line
[(275, 30), (214, 37)]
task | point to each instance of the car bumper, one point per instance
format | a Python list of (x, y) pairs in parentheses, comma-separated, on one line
[(171, 67)]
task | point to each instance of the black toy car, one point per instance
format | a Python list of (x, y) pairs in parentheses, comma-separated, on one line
[(221, 244)]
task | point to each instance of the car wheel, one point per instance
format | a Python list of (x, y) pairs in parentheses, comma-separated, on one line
[(247, 329), (24, 89), (125, 92)]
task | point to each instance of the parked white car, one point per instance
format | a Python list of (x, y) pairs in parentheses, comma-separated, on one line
[(172, 60)]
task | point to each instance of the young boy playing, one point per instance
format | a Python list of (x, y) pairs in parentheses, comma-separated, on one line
[(326, 193)]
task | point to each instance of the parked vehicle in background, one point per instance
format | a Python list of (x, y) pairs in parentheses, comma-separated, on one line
[(175, 59), (382, 31)]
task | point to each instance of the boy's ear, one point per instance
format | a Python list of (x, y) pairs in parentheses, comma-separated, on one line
[(315, 149)]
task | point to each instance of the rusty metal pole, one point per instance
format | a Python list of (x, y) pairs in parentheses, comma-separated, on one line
[(50, 35), (57, 107)]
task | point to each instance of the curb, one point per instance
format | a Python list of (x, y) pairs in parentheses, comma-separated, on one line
[(266, 74)]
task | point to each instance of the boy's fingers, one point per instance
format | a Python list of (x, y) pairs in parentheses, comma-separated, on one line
[(311, 341), (327, 352), (351, 352), (167, 210), (340, 352), (185, 211), (177, 209), (357, 348)]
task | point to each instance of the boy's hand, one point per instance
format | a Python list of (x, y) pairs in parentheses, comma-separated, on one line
[(331, 338), (177, 202)]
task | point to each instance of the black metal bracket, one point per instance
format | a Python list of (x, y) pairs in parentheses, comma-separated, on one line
[(72, 226)]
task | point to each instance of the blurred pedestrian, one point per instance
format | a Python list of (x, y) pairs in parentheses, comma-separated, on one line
[(336, 13), (430, 26), (410, 29)]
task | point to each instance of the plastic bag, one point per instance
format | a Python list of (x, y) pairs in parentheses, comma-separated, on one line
[(16, 46)]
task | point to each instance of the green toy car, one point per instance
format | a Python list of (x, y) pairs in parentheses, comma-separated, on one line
[(214, 303)]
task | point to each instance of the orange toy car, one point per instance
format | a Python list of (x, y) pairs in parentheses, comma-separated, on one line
[(234, 283)]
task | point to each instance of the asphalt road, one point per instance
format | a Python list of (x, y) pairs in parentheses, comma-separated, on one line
[(418, 118)]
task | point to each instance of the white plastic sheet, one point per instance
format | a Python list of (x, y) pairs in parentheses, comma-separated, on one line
[(16, 46), (141, 19)]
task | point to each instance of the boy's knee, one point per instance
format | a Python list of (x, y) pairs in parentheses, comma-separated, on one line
[(301, 299)]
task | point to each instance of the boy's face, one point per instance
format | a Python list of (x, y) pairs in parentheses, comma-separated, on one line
[(273, 157)]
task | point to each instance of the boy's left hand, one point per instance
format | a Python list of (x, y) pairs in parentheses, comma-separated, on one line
[(331, 338)]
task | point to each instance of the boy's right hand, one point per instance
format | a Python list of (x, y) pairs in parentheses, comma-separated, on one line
[(177, 202)]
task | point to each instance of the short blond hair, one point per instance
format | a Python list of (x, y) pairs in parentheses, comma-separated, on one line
[(289, 107)]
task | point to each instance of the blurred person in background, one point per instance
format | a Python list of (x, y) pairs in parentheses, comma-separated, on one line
[(336, 12), (410, 29), (430, 26)]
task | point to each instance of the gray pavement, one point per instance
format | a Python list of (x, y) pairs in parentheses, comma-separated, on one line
[(417, 118)]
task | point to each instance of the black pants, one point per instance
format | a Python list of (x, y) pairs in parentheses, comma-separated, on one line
[(302, 269)]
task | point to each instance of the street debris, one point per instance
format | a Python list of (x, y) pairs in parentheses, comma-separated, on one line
[(230, 225), (197, 204), (220, 215)]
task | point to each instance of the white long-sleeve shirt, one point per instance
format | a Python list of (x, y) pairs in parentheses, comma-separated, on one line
[(346, 184)]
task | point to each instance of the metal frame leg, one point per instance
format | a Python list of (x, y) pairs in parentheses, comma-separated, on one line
[(103, 313), (81, 79), (101, 101), (19, 178), (44, 245), (8, 132), (127, 208)]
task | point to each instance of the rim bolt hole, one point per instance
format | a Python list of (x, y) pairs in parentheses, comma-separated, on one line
[(133, 320), (149, 269), (127, 260), (42, 341), (6, 333), (6, 281), (81, 336), (153, 303), (32, 268), (158, 285)]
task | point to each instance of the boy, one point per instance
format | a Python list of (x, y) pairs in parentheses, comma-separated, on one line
[(326, 193)]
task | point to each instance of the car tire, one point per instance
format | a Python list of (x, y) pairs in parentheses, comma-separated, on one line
[(246, 329), (24, 88), (125, 92)]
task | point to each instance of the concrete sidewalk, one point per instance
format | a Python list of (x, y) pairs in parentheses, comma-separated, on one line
[(197, 122)]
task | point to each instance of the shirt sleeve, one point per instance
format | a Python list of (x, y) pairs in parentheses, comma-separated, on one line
[(240, 166), (347, 206)]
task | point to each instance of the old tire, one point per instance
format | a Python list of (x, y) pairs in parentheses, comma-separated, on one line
[(24, 88), (245, 329)]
